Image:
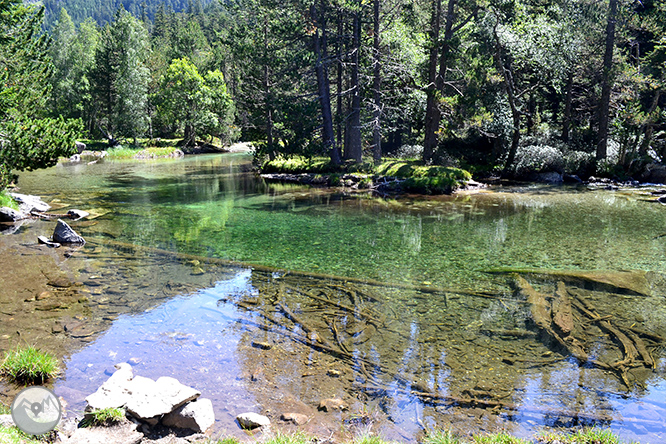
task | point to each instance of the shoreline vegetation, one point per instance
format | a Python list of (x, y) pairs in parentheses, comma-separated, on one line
[(12, 435)]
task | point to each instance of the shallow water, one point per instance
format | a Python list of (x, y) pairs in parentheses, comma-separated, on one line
[(388, 304)]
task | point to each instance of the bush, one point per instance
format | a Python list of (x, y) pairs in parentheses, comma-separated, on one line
[(29, 365), (538, 159)]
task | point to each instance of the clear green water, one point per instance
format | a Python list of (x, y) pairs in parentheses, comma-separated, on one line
[(444, 342)]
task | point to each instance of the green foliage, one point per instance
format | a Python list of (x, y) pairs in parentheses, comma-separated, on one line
[(297, 165), (441, 437), (14, 435), (7, 201), (200, 106), (119, 152), (29, 365), (103, 417)]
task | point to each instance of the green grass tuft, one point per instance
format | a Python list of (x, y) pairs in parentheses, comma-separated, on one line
[(14, 435), (7, 201), (29, 365), (441, 437), (103, 417)]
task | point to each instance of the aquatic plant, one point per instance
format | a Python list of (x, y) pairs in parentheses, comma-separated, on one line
[(29, 365), (103, 417)]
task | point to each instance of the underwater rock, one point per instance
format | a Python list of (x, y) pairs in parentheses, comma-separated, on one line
[(28, 203), (295, 418), (77, 214), (332, 404), (251, 420), (64, 234)]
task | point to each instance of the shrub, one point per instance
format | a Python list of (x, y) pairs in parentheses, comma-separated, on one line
[(7, 201), (538, 159), (29, 365)]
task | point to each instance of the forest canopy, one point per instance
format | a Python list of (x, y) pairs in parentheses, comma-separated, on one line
[(509, 87)]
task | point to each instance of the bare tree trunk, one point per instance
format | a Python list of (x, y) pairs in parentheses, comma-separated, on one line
[(340, 109), (566, 121), (267, 99), (355, 148), (323, 87), (607, 84), (511, 97), (376, 86), (432, 113)]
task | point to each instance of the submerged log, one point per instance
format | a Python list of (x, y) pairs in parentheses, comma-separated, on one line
[(562, 314), (633, 282)]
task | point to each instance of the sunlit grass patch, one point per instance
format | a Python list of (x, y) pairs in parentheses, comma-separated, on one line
[(120, 152), (103, 417), (13, 435), (28, 365), (7, 201)]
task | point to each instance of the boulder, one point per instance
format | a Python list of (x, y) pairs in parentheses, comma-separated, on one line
[(10, 215), (251, 420), (80, 146), (149, 399), (28, 203), (197, 415), (77, 214), (44, 240), (332, 404), (75, 158), (113, 393), (550, 177), (64, 234)]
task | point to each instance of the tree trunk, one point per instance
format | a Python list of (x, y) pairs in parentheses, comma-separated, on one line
[(607, 84), (267, 98), (566, 121), (340, 109), (513, 104), (432, 113), (355, 148), (323, 87), (376, 85)]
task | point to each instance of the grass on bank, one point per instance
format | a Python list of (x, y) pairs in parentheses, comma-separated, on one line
[(103, 417), (419, 178), (28, 365), (7, 201)]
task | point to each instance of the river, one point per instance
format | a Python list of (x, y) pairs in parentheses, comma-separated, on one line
[(270, 298)]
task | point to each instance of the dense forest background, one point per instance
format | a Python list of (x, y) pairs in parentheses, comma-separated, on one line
[(511, 86)]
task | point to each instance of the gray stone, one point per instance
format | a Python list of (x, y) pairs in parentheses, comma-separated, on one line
[(64, 234), (113, 393), (123, 433), (75, 158), (80, 146), (77, 214), (10, 215), (332, 404), (296, 418), (150, 399), (44, 240), (251, 420), (29, 203), (196, 415)]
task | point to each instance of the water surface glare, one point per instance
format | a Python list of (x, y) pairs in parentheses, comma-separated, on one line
[(404, 308)]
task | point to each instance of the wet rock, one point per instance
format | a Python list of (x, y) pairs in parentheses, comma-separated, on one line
[(80, 146), (251, 420), (261, 345), (64, 234), (28, 203), (332, 404), (196, 415), (77, 214), (334, 373), (197, 272), (9, 215), (151, 399), (295, 418), (60, 282), (75, 158), (44, 295), (44, 240), (550, 177)]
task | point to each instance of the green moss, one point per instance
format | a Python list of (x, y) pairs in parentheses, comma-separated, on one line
[(7, 201), (29, 365), (298, 165), (103, 417)]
